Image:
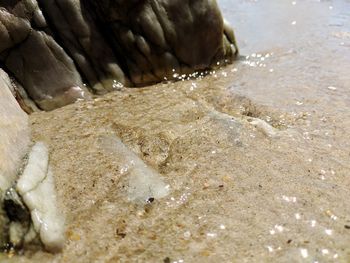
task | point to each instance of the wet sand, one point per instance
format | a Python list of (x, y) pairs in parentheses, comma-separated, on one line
[(239, 192)]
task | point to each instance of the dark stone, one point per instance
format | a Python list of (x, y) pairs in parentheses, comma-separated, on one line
[(82, 39), (156, 36), (51, 47), (19, 219), (35, 59), (14, 207), (150, 200)]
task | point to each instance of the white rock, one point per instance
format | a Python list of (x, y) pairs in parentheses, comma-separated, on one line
[(36, 169), (14, 134), (331, 88), (37, 187)]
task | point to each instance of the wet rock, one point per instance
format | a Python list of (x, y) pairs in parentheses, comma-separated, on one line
[(81, 37), (167, 35), (37, 188), (14, 143), (14, 133), (19, 217), (50, 47), (34, 58), (28, 211)]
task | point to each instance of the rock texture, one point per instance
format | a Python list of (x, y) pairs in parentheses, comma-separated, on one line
[(52, 47), (157, 37), (34, 58)]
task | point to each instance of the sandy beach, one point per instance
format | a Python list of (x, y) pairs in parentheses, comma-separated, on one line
[(255, 156)]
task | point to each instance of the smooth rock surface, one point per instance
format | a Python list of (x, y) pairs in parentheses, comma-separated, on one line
[(36, 186), (14, 142), (81, 37), (14, 134), (34, 58), (52, 47), (158, 37)]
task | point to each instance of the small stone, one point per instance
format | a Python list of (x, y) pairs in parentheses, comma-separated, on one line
[(332, 88), (121, 234), (150, 200)]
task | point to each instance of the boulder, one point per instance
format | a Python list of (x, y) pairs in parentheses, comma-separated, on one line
[(157, 37), (14, 143), (81, 37), (35, 59), (52, 47)]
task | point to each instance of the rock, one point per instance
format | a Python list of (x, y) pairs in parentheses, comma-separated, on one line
[(82, 38), (29, 212), (166, 35), (264, 127), (34, 58), (18, 216), (14, 143), (36, 187), (50, 47), (14, 133)]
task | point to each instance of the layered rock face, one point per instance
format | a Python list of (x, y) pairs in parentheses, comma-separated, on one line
[(52, 47)]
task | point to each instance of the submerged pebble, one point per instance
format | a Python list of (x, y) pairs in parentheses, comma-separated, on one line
[(144, 183), (263, 126)]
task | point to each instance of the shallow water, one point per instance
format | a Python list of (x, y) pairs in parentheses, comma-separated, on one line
[(298, 61), (308, 44), (256, 154)]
